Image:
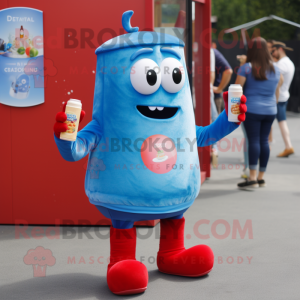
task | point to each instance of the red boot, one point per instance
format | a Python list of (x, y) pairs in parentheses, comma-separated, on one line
[(125, 275), (173, 258)]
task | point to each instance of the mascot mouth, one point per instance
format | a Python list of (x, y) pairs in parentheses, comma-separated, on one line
[(157, 112)]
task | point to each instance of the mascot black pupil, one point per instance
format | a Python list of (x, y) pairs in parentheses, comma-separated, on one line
[(151, 77), (176, 75)]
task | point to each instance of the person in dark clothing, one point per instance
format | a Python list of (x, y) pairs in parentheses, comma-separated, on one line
[(222, 77)]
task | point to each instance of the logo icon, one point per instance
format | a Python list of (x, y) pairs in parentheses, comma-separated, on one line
[(39, 258), (159, 153)]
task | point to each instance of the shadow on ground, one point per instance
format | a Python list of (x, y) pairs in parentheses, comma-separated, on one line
[(75, 286)]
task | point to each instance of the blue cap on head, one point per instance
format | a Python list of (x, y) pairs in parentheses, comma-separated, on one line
[(134, 38), (126, 21)]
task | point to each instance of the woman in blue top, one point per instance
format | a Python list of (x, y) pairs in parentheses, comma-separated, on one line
[(261, 81)]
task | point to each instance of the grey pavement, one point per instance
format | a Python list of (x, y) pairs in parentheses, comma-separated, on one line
[(261, 262)]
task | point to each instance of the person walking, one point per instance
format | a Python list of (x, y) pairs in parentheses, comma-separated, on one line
[(213, 109), (260, 79), (287, 69), (222, 78), (270, 48), (246, 173)]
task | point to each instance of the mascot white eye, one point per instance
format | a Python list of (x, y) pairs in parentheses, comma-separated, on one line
[(173, 75), (145, 76)]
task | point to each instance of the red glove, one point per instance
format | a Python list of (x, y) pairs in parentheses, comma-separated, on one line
[(243, 107), (61, 117)]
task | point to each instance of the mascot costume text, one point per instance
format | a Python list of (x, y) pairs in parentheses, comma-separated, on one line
[(148, 167)]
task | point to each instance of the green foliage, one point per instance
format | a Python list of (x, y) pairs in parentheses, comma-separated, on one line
[(233, 13), (169, 13)]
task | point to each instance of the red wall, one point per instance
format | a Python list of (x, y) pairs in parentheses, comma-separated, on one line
[(202, 80), (36, 184)]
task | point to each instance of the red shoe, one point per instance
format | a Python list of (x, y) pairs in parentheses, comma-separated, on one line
[(173, 258), (125, 275)]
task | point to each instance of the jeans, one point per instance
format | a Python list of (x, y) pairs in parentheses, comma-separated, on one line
[(258, 128), (246, 148), (214, 113), (219, 102)]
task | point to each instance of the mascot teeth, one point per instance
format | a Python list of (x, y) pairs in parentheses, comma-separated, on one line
[(152, 108)]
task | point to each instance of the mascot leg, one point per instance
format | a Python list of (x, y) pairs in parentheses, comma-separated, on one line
[(125, 275), (173, 258)]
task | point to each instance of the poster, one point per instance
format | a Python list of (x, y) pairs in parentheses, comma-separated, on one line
[(21, 57)]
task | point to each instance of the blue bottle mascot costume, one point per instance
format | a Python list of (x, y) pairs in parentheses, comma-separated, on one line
[(142, 145)]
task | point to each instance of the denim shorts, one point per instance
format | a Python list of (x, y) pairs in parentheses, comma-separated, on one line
[(281, 111)]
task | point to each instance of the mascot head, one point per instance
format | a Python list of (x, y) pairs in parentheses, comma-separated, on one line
[(141, 80)]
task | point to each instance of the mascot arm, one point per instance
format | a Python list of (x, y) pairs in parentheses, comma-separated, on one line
[(221, 126), (215, 131), (87, 140)]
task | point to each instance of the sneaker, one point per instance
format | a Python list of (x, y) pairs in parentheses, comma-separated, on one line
[(261, 183), (245, 174), (286, 152), (272, 142), (214, 158), (248, 184)]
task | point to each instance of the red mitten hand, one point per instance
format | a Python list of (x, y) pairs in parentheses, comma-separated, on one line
[(243, 107), (60, 118)]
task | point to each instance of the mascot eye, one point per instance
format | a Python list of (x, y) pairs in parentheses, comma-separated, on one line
[(145, 76), (173, 75)]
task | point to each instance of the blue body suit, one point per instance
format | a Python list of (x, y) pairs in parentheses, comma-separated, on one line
[(118, 181)]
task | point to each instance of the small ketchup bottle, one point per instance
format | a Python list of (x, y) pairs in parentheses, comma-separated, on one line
[(21, 32)]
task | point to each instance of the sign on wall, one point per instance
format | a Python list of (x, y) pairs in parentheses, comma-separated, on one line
[(21, 57)]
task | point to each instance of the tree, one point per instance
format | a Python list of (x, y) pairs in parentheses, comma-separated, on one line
[(236, 12)]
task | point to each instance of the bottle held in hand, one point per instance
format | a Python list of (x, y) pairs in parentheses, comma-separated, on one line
[(235, 93), (73, 110)]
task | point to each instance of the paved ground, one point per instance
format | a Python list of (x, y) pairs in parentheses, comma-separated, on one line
[(263, 266)]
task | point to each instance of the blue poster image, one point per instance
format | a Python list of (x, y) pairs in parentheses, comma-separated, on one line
[(21, 57)]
